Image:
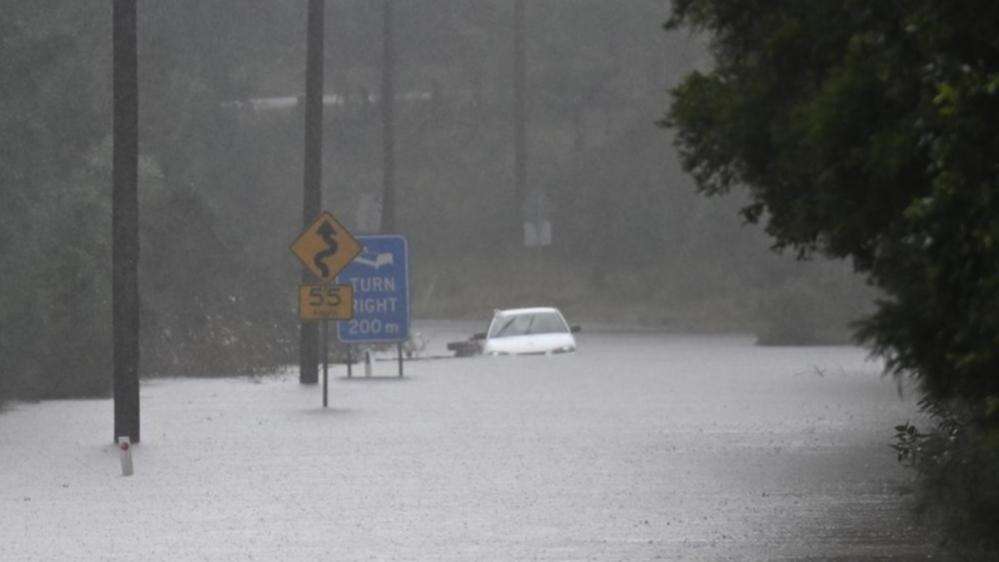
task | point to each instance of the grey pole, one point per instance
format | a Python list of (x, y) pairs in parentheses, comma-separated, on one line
[(520, 121), (312, 185), (125, 221), (326, 400), (388, 121)]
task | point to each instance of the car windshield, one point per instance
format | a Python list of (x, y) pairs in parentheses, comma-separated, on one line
[(526, 324)]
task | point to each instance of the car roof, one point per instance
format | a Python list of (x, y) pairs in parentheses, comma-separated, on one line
[(516, 311)]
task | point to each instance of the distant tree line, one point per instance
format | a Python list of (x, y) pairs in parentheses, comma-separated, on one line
[(220, 182)]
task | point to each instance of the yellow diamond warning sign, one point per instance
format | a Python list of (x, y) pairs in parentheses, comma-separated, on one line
[(326, 247)]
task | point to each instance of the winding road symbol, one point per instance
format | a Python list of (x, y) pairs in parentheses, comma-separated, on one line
[(327, 233), (326, 247)]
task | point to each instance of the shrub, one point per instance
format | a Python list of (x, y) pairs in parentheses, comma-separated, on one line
[(957, 464)]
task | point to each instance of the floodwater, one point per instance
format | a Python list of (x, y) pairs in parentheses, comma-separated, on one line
[(639, 446)]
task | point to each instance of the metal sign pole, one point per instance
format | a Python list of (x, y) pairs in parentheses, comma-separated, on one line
[(350, 361), (325, 366), (398, 347)]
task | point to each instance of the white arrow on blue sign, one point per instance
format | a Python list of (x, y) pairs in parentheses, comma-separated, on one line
[(380, 278)]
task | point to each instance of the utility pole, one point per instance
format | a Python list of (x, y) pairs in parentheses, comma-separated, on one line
[(388, 121), (312, 199), (125, 221), (520, 121)]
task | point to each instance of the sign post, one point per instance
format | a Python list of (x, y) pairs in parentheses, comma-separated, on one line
[(379, 277), (325, 303), (325, 248), (326, 355)]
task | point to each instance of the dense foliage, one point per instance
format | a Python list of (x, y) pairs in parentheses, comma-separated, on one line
[(866, 130)]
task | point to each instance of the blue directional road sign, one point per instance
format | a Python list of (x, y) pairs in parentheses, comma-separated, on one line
[(380, 278)]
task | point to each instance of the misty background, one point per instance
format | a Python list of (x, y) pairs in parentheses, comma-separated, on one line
[(221, 141)]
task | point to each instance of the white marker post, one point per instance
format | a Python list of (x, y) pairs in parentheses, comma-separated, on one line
[(125, 446)]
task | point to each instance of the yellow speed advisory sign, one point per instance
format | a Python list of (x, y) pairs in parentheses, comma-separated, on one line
[(326, 247), (325, 302)]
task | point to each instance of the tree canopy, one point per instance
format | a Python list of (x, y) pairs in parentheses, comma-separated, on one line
[(866, 130), (863, 130)]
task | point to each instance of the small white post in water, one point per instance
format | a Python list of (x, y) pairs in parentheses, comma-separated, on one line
[(125, 446)]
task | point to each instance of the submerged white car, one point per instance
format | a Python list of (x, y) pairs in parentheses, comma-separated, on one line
[(528, 331)]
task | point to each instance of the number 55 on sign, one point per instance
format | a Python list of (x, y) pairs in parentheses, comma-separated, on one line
[(325, 302)]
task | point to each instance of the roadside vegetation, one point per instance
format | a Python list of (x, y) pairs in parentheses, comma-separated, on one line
[(864, 130)]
